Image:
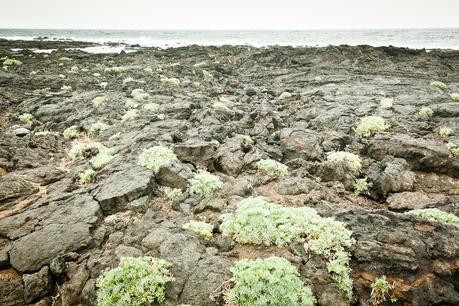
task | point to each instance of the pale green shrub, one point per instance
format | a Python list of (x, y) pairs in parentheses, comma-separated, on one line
[(316, 79), (439, 84), (100, 101), (65, 59), (104, 155), (170, 81), (207, 76), (139, 95), (25, 118), (115, 70), (361, 185), (103, 85), (130, 104), (74, 70), (453, 149), (172, 193), (386, 103), (130, 115), (128, 80), (221, 107), (115, 136), (425, 112), (86, 176), (272, 167), (455, 96), (381, 290), (205, 184), (156, 157), (285, 95), (11, 62), (98, 127), (70, 132), (435, 215), (33, 72), (137, 281), (203, 229), (371, 124), (268, 282), (103, 158), (66, 88), (445, 132), (353, 161), (258, 221), (151, 107)]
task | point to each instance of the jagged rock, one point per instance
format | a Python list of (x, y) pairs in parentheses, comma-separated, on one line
[(36, 285), (13, 187), (5, 247), (175, 175), (300, 143), (21, 132), (195, 151), (415, 200), (340, 172), (295, 185), (11, 288), (116, 191)]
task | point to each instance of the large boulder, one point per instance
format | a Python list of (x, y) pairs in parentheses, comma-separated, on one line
[(300, 143)]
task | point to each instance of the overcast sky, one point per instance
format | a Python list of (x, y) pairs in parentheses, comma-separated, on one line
[(228, 14)]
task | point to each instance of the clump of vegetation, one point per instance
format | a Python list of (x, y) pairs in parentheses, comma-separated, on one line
[(136, 281), (205, 184), (130, 115), (129, 79), (172, 193), (151, 107), (170, 81), (316, 79), (353, 161), (425, 112), (156, 157), (453, 149), (140, 95), (439, 84), (115, 136), (285, 95), (103, 85), (104, 155), (455, 96), (33, 72), (11, 62), (103, 158), (25, 118), (86, 176), (65, 59), (66, 88), (435, 215), (70, 132), (272, 167), (445, 132), (130, 104), (207, 76), (360, 186), (272, 281), (371, 124), (381, 291), (100, 101), (221, 107), (258, 221), (74, 69), (203, 229), (386, 103), (98, 127), (115, 70)]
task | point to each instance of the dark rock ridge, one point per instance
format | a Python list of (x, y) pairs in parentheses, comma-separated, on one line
[(58, 235)]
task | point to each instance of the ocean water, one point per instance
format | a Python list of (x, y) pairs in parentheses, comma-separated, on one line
[(411, 38)]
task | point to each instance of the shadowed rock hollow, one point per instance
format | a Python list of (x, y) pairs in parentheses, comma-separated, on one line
[(57, 234)]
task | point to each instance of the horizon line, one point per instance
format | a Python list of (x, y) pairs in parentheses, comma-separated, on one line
[(216, 30)]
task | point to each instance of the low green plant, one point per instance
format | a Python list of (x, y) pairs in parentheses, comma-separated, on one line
[(221, 107), (172, 193), (103, 85), (205, 184), (102, 159), (115, 136), (285, 95), (100, 101), (136, 281), (445, 132), (115, 70), (65, 59), (425, 112), (130, 115), (272, 281), (272, 167), (86, 176), (151, 107), (25, 118), (352, 160), (360, 186), (74, 69), (381, 291), (11, 62), (455, 96), (453, 149), (386, 103), (156, 157), (203, 229), (129, 79), (130, 104), (439, 84), (33, 72), (371, 124), (139, 95), (435, 215), (70, 132), (66, 88), (104, 155), (98, 127), (207, 76), (316, 79), (258, 221), (170, 81)]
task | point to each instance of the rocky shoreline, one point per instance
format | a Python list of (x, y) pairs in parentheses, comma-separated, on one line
[(223, 109)]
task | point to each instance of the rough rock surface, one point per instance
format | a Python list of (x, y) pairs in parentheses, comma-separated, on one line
[(58, 233)]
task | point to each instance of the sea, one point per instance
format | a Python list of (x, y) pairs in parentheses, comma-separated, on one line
[(446, 38)]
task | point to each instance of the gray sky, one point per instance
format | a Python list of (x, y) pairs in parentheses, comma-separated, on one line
[(228, 14)]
